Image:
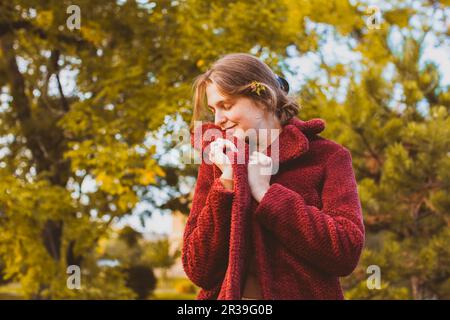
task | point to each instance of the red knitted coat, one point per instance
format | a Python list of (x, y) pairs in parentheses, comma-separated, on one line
[(305, 233)]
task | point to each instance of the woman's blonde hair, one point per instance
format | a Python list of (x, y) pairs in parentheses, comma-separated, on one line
[(243, 75)]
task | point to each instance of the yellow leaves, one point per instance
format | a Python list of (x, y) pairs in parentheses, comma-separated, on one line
[(302, 7), (200, 63), (127, 200), (425, 78), (374, 47), (392, 128), (150, 173), (438, 201), (439, 112), (109, 183), (339, 70), (159, 171), (116, 166), (100, 249), (295, 13), (399, 17), (93, 32), (147, 178), (44, 19), (338, 13), (81, 154), (118, 169), (412, 91)]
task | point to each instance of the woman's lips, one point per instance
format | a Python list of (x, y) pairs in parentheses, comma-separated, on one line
[(229, 128)]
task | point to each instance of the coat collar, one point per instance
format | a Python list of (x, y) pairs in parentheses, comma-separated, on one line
[(293, 140)]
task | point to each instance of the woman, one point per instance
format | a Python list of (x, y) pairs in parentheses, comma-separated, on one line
[(286, 234)]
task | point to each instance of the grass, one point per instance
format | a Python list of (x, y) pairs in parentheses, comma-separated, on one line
[(11, 291), (172, 296), (168, 289), (171, 289)]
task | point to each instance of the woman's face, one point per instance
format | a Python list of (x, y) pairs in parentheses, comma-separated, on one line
[(238, 113)]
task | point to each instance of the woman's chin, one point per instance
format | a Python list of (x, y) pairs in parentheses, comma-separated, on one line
[(237, 134), (231, 132)]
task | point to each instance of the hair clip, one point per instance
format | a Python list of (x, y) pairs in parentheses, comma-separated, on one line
[(257, 87), (284, 85)]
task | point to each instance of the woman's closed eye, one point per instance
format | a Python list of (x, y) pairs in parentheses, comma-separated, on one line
[(228, 106), (225, 107)]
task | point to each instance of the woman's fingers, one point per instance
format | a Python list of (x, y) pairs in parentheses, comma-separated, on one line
[(211, 156), (217, 154), (260, 158), (230, 145), (221, 143), (265, 161)]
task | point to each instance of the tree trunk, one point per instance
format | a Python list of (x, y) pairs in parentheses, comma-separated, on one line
[(416, 288)]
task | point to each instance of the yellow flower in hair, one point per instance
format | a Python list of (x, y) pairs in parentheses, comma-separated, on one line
[(257, 87)]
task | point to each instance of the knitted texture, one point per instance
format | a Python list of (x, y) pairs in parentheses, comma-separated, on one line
[(305, 233)]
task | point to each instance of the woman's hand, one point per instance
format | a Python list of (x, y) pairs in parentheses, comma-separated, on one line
[(259, 174), (217, 155)]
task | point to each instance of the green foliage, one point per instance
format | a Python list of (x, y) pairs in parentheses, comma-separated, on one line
[(159, 254), (141, 280), (394, 119)]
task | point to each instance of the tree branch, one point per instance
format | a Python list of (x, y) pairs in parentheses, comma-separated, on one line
[(9, 27)]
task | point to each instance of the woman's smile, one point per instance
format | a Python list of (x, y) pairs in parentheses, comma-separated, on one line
[(230, 128)]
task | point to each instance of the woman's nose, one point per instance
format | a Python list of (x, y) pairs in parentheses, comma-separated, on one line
[(219, 118)]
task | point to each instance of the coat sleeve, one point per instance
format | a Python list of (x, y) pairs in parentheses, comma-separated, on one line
[(206, 235), (330, 238)]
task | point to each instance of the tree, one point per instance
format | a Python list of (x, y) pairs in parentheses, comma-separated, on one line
[(142, 280), (159, 254), (127, 253), (393, 116)]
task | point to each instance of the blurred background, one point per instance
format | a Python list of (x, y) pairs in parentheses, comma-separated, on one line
[(92, 93)]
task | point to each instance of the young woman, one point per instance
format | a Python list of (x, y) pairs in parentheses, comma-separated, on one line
[(288, 234)]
